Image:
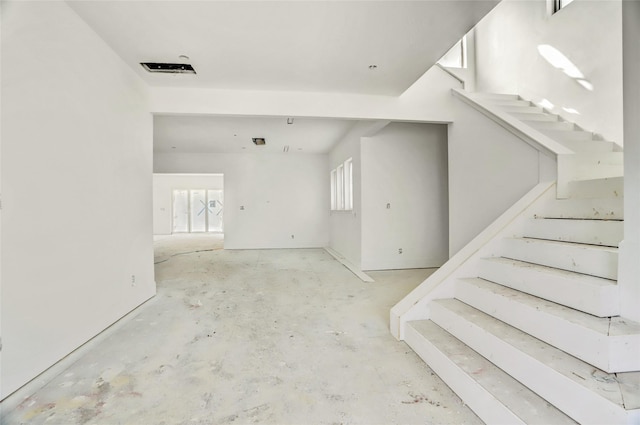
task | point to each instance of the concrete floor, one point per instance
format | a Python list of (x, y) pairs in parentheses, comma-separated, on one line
[(258, 336)]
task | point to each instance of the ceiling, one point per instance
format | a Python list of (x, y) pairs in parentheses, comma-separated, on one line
[(213, 134), (312, 46), (295, 45)]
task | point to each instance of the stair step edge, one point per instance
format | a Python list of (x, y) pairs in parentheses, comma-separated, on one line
[(545, 369), (516, 402), (585, 279), (596, 324)]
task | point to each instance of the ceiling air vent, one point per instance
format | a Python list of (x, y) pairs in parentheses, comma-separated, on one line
[(168, 68), (259, 141)]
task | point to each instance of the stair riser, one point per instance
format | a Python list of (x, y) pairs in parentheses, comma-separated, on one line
[(573, 399), (474, 395), (507, 103), (588, 146), (585, 259), (520, 109), (582, 342), (612, 187), (625, 353), (601, 301), (588, 166), (580, 208), (594, 232), (544, 125), (534, 117), (562, 135), (497, 96)]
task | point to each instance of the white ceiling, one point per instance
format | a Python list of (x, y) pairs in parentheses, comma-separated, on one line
[(296, 45), (210, 134), (317, 46)]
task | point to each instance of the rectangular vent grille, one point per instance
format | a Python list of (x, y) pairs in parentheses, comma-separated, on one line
[(168, 68)]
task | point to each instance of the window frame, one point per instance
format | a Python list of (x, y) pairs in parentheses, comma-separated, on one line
[(341, 181), (340, 187), (334, 194), (556, 6)]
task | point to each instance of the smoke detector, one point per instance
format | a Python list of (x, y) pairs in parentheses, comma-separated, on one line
[(168, 68)]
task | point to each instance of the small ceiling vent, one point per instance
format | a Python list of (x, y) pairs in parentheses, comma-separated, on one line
[(259, 141), (168, 68)]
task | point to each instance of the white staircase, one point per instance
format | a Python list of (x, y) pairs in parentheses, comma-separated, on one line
[(566, 133), (524, 324), (581, 154)]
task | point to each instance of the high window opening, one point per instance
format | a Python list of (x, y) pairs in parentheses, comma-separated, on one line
[(456, 57), (557, 5)]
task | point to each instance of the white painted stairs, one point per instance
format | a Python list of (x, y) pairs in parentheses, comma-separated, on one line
[(534, 335), (581, 154), (566, 133)]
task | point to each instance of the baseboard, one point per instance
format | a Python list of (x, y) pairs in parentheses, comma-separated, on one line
[(362, 276)]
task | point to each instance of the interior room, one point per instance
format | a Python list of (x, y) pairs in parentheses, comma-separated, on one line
[(319, 212)]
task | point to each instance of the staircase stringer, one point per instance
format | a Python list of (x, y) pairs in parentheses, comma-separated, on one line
[(440, 284)]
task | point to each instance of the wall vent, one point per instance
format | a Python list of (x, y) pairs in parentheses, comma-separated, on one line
[(259, 141), (168, 68)]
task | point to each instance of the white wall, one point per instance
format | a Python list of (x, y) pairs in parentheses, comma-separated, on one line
[(405, 165), (282, 195), (163, 187), (629, 281), (588, 33), (76, 188), (489, 170)]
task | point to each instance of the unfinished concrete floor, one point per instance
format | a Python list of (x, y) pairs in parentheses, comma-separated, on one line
[(264, 336)]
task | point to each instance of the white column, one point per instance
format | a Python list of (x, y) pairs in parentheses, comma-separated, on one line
[(629, 279)]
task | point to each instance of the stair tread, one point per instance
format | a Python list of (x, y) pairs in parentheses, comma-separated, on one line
[(602, 325), (586, 279), (525, 404), (577, 245), (603, 384)]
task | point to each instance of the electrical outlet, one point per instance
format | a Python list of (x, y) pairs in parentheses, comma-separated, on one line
[(400, 251), (241, 207), (292, 236), (388, 206)]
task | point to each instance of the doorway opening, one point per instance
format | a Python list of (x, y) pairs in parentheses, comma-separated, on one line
[(198, 211)]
